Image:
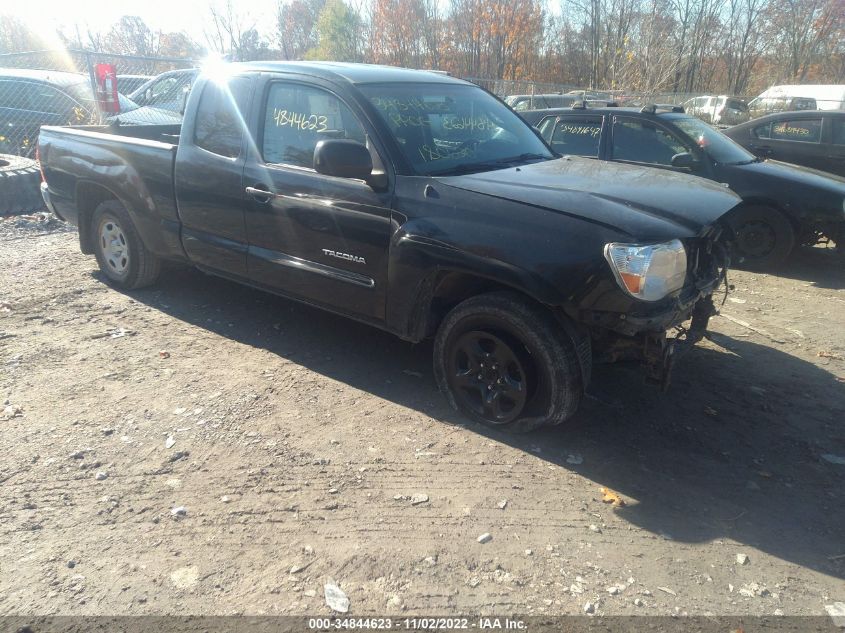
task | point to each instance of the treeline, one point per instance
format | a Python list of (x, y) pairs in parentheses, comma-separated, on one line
[(726, 46)]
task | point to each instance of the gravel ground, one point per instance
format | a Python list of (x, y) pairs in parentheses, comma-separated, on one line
[(205, 448)]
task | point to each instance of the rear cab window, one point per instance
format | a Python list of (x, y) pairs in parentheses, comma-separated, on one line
[(797, 130), (219, 126)]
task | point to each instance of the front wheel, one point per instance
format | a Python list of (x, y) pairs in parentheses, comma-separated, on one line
[(763, 237), (508, 364), (120, 253)]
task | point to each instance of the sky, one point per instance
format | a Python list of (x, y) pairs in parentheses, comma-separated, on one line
[(191, 16)]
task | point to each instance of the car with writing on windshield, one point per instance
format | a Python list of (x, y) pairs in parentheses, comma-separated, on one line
[(815, 138), (416, 203), (783, 205)]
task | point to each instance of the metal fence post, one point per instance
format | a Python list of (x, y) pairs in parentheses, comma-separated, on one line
[(93, 79)]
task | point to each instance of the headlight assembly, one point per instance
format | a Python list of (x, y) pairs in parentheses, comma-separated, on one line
[(648, 272)]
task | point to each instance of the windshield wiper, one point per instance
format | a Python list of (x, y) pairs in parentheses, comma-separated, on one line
[(468, 168), (522, 157)]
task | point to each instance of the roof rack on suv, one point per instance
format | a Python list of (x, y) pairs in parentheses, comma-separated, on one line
[(583, 104), (652, 108)]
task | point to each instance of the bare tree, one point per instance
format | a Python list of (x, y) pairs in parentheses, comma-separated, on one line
[(228, 30)]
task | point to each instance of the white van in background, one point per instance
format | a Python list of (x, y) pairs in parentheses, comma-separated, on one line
[(828, 97)]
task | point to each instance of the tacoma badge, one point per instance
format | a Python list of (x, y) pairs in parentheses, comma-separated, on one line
[(346, 256)]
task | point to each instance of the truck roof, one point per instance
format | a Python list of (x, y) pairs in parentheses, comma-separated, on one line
[(355, 73)]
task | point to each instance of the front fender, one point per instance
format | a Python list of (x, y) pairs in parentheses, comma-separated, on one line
[(416, 263)]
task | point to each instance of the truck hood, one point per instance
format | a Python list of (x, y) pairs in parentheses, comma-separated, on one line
[(645, 203)]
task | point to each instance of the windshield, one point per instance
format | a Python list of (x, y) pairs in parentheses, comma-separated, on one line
[(445, 128), (718, 146)]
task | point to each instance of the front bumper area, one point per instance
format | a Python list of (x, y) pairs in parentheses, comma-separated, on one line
[(641, 333)]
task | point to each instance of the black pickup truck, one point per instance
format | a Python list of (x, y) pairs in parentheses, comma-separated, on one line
[(417, 203)]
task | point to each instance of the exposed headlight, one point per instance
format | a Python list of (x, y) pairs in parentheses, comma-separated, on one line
[(648, 271)]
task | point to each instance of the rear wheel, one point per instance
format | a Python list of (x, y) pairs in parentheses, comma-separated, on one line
[(120, 253), (508, 364), (763, 237)]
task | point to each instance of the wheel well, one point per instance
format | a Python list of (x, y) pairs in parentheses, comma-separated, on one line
[(450, 288), (766, 202), (88, 197)]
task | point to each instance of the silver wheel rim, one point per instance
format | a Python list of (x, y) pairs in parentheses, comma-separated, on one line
[(114, 247)]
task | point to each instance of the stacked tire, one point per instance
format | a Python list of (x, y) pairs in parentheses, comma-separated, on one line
[(20, 184)]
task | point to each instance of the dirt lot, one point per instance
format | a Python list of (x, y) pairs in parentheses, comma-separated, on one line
[(295, 441)]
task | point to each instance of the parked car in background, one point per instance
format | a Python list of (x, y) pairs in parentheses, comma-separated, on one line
[(783, 205), (761, 106), (536, 102), (718, 110), (32, 98), (815, 138), (166, 91), (800, 97), (161, 100), (130, 83), (414, 202)]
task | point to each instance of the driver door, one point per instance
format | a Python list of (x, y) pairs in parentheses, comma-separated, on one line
[(319, 238)]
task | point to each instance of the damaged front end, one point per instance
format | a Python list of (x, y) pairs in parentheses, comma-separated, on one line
[(657, 333)]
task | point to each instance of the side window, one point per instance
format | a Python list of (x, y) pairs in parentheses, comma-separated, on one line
[(838, 130), (20, 94), (577, 135), (804, 130), (546, 127), (763, 131), (297, 117), (219, 124), (644, 142)]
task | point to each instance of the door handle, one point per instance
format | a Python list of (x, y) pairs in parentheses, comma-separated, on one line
[(259, 193)]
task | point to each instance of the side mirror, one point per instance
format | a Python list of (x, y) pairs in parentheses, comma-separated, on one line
[(343, 158), (684, 160)]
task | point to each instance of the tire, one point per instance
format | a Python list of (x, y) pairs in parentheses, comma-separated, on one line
[(763, 237), (20, 185), (521, 354), (121, 254)]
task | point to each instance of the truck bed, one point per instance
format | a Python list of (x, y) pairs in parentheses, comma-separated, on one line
[(133, 163)]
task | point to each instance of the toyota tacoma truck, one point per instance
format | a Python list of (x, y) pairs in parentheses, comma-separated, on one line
[(417, 203)]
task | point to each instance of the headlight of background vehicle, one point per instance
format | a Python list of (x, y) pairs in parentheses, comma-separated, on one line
[(648, 271)]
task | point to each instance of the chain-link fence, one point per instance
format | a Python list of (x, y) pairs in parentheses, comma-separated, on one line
[(67, 87), (74, 87), (719, 110)]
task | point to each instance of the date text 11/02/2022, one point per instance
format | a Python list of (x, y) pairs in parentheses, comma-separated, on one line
[(419, 624)]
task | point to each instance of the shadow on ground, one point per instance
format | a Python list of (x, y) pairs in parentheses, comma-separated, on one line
[(732, 450), (819, 266)]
